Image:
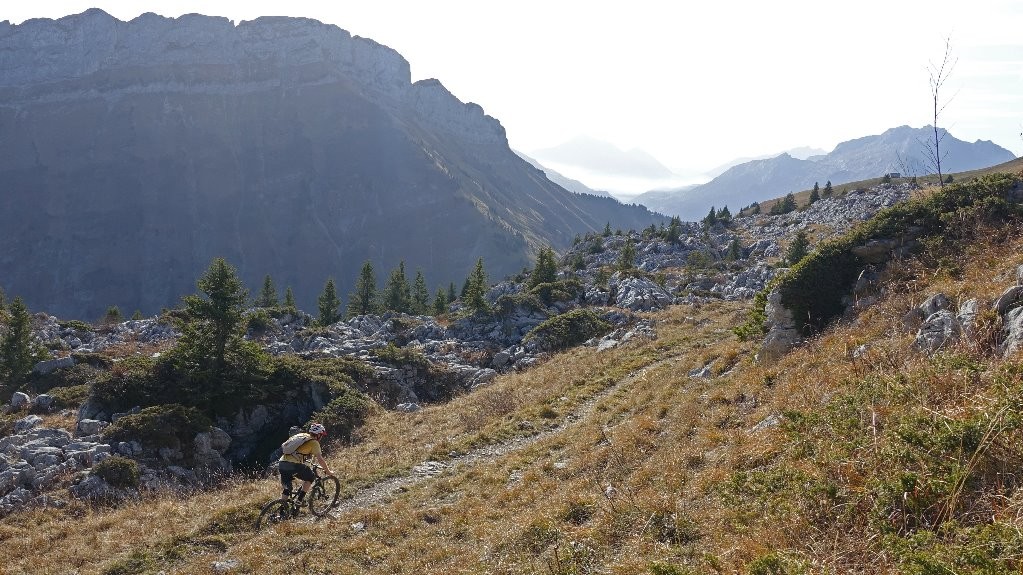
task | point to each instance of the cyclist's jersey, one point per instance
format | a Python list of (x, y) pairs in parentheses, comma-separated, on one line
[(304, 453)]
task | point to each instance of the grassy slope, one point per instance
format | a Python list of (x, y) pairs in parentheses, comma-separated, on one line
[(883, 461)]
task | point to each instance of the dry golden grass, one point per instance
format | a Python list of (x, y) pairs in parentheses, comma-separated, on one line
[(644, 483)]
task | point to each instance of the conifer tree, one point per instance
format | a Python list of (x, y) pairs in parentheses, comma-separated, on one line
[(17, 351), (113, 315), (440, 302), (711, 218), (420, 295), (363, 300), (815, 193), (798, 248), (788, 203), (475, 296), (398, 293), (627, 259), (546, 269), (607, 230), (216, 315), (137, 315), (268, 295), (329, 305), (3, 301), (289, 299), (452, 295), (674, 232), (724, 215), (828, 190)]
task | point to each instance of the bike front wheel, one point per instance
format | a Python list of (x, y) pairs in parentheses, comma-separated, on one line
[(323, 495), (273, 513)]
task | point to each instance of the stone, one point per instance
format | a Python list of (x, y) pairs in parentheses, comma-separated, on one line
[(225, 566), (501, 359), (969, 311), (934, 304), (407, 407), (1008, 299), (19, 400), (875, 251), (782, 334), (26, 423), (48, 366), (606, 344), (42, 402), (1013, 329), (91, 426), (940, 329)]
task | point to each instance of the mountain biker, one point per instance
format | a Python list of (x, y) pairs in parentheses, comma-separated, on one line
[(293, 465)]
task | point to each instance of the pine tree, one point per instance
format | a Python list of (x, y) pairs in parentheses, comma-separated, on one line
[(3, 301), (329, 305), (137, 315), (112, 316), (420, 295), (711, 218), (828, 190), (17, 351), (815, 194), (452, 294), (546, 269), (216, 315), (363, 300), (627, 259), (674, 232), (289, 299), (398, 293), (440, 302), (788, 203), (724, 216), (475, 296), (798, 248), (607, 230), (268, 296)]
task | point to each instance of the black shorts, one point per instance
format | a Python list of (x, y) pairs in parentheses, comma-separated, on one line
[(290, 470)]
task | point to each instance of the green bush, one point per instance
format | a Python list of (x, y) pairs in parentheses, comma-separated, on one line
[(118, 471), (76, 325), (564, 290), (129, 383), (345, 412), (567, 330), (399, 356), (76, 375), (507, 304), (173, 426), (70, 397), (258, 321)]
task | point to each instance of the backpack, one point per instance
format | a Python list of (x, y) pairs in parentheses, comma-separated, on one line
[(294, 442)]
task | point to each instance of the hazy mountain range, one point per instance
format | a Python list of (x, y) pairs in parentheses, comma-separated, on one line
[(896, 150), (132, 153)]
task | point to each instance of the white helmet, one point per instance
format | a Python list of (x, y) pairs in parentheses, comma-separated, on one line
[(317, 429)]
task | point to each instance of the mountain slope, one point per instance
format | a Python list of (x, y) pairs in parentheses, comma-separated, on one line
[(135, 152), (859, 159)]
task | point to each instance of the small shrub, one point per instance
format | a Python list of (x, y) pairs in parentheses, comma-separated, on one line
[(76, 325), (507, 304), (578, 512), (258, 321), (551, 292), (343, 414), (173, 426), (70, 397), (399, 356), (129, 383), (567, 330), (118, 471), (776, 564), (538, 536)]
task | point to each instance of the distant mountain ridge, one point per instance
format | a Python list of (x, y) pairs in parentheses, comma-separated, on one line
[(132, 153), (598, 156), (896, 150), (569, 184)]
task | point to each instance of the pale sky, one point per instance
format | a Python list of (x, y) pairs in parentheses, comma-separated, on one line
[(695, 84)]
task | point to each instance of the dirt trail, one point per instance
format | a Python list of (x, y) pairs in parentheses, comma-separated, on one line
[(382, 491)]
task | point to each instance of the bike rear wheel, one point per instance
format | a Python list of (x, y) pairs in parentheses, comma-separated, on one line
[(274, 512), (323, 495)]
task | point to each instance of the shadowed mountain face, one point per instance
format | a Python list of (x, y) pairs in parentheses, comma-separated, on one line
[(899, 149), (132, 153)]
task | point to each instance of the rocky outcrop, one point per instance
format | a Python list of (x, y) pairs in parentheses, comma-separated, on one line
[(782, 333)]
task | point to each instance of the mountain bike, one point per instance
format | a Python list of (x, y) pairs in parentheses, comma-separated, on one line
[(322, 497)]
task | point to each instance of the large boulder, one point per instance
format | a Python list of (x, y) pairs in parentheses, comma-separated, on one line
[(969, 313), (1009, 299), (1013, 323), (938, 330), (782, 333)]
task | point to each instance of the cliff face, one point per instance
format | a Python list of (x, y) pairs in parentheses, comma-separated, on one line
[(132, 153)]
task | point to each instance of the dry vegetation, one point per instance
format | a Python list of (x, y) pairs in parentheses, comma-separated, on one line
[(854, 453)]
